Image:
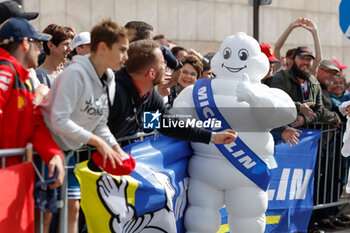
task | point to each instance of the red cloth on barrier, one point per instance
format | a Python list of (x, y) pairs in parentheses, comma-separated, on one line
[(125, 169), (16, 198)]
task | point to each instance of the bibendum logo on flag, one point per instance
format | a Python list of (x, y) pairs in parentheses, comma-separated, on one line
[(152, 199), (112, 203)]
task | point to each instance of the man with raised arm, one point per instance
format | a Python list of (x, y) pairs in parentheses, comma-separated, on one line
[(309, 25)]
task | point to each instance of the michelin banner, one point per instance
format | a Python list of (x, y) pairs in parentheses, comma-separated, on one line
[(153, 197), (291, 188)]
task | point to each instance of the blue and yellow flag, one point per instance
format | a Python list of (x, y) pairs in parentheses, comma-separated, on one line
[(151, 198)]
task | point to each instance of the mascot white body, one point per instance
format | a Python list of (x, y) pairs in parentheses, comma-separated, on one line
[(250, 108)]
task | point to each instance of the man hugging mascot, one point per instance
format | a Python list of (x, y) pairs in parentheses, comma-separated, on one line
[(236, 175)]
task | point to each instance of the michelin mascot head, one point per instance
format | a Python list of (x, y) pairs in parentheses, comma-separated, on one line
[(240, 54), (215, 180)]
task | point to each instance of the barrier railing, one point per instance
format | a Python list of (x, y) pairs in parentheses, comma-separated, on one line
[(331, 169), (26, 153)]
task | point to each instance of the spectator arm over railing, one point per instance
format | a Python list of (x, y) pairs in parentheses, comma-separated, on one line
[(48, 150)]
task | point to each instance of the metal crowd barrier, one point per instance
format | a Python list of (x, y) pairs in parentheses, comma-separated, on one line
[(331, 169), (26, 153)]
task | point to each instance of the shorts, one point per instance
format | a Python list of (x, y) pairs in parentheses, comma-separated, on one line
[(73, 184)]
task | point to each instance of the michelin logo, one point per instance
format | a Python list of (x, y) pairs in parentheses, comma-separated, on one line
[(296, 186), (151, 120)]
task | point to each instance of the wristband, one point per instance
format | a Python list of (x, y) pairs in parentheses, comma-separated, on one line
[(212, 137)]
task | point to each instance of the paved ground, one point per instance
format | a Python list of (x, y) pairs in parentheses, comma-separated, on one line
[(340, 230)]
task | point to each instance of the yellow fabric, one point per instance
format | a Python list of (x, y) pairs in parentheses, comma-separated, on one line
[(224, 229), (273, 219), (97, 217)]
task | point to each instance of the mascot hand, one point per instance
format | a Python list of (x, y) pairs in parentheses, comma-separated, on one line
[(113, 194), (244, 89)]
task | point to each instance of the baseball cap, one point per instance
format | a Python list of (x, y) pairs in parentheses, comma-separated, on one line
[(303, 51), (268, 51), (15, 29), (340, 66), (170, 59), (328, 64), (10, 9), (81, 38)]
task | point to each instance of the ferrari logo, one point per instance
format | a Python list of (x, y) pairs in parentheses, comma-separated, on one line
[(21, 102)]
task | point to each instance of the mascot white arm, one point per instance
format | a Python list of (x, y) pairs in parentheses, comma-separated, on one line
[(252, 109)]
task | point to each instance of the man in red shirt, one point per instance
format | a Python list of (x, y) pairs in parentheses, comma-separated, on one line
[(20, 121)]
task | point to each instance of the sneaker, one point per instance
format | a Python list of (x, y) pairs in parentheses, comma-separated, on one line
[(326, 223), (339, 223)]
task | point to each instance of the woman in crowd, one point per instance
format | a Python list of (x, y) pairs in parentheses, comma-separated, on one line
[(337, 93), (191, 71)]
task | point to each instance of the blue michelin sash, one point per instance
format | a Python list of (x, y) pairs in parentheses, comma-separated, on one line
[(238, 153)]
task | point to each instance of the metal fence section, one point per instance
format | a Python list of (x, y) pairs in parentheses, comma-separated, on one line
[(26, 153), (331, 168)]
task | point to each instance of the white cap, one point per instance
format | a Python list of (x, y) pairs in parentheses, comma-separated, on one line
[(81, 38)]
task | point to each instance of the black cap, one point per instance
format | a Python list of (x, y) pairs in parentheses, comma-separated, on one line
[(15, 29), (303, 51), (10, 9)]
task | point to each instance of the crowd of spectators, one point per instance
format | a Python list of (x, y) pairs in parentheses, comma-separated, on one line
[(317, 86)]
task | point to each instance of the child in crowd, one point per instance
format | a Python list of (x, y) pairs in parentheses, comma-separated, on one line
[(76, 109)]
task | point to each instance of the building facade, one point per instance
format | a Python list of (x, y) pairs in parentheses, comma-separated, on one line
[(203, 24)]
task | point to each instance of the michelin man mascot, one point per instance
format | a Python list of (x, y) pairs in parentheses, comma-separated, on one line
[(234, 175)]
